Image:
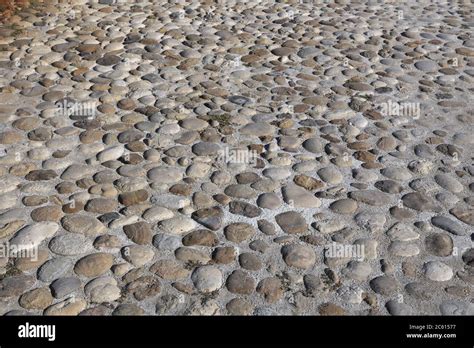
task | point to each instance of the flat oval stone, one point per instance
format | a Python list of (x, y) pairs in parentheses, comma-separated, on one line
[(439, 244), (31, 236), (170, 201), (426, 65), (16, 285), (64, 286), (419, 291), (402, 232), (71, 306), (396, 308), (239, 282), (240, 191), (449, 183), (455, 307), (292, 222), (108, 59), (244, 208), (201, 237), (370, 221), (269, 201), (299, 256), (177, 225), (211, 218), (384, 285), (101, 205), (53, 269), (102, 289), (77, 171), (139, 232), (396, 173), (331, 175), (165, 175), (110, 153), (207, 279), (420, 202), (192, 255), (94, 265), (357, 270), (169, 269), (133, 197), (466, 215), (271, 288), (404, 249), (389, 186), (37, 299), (299, 197), (371, 197), (206, 149), (313, 145), (438, 271), (155, 214), (82, 224), (70, 244), (344, 206)]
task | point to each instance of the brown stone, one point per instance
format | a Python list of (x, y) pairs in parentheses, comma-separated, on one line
[(34, 200), (239, 282), (239, 306)]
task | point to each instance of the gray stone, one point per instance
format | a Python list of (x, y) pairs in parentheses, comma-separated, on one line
[(385, 285), (299, 256), (54, 269), (62, 287), (448, 225), (207, 278)]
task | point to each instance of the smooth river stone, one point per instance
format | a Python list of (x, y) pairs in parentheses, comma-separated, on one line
[(177, 225), (371, 197), (449, 183), (402, 232), (438, 271), (257, 129), (448, 225), (298, 197), (299, 256), (207, 279), (31, 236), (110, 153), (83, 224), (292, 222)]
